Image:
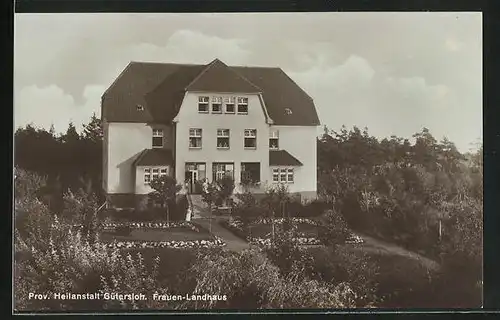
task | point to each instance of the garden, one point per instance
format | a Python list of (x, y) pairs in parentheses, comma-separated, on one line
[(423, 196), (158, 235)]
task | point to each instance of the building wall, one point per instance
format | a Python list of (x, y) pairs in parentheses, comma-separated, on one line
[(189, 117), (105, 156), (140, 186), (300, 141), (125, 141)]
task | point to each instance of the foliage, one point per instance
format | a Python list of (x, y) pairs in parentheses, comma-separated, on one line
[(225, 187), (334, 229), (69, 160), (251, 281), (338, 264), (165, 191)]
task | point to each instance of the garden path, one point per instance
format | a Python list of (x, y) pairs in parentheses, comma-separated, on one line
[(381, 247)]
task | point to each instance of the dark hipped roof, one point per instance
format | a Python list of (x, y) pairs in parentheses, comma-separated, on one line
[(160, 89), (282, 158), (154, 157)]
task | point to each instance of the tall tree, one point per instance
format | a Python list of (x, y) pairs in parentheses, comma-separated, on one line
[(93, 130)]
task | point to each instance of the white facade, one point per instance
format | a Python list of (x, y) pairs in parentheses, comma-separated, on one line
[(125, 141)]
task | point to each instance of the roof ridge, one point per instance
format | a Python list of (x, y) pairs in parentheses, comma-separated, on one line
[(208, 66), (167, 63), (244, 78)]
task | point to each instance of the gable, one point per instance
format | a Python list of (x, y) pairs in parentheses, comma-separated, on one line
[(218, 77), (160, 89)]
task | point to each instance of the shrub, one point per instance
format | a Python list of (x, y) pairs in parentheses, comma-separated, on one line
[(334, 228), (251, 281), (337, 264)]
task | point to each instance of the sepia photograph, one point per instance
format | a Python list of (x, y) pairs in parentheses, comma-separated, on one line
[(212, 162)]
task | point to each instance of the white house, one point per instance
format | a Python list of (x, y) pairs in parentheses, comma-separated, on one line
[(206, 121)]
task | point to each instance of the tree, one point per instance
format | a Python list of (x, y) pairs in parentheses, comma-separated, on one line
[(93, 130), (226, 188), (210, 195), (165, 191)]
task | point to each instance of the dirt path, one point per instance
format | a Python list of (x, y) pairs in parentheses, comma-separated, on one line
[(383, 247)]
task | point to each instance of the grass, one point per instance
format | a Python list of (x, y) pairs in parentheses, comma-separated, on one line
[(264, 230), (172, 234)]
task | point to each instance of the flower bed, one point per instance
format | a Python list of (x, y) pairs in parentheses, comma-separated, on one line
[(298, 240), (150, 225), (239, 229), (354, 239), (216, 242), (281, 220)]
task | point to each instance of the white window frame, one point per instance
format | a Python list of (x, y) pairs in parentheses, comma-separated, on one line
[(225, 134), (232, 102), (196, 133), (283, 175), (274, 135), (221, 170), (158, 133), (204, 100), (242, 101), (250, 134), (155, 172), (216, 101), (163, 172), (147, 175), (151, 172)]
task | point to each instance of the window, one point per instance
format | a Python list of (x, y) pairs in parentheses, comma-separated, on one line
[(283, 175), (290, 175), (276, 175), (163, 172), (203, 104), (147, 175), (155, 173), (242, 105), (139, 107), (273, 140), (157, 138), (194, 138), (220, 170), (222, 138), (283, 172), (216, 104), (230, 103), (250, 138), (250, 172)]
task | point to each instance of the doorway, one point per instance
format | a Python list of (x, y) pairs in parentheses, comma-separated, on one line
[(194, 172)]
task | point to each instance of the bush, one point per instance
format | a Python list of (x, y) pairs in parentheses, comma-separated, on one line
[(338, 264), (251, 281), (334, 229)]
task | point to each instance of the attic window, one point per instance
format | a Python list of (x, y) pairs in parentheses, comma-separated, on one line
[(288, 111), (139, 107)]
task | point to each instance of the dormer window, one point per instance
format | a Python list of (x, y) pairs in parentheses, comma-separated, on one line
[(157, 138), (203, 104), (139, 107), (288, 111), (273, 140), (216, 104), (242, 105)]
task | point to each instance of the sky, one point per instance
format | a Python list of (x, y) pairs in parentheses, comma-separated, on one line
[(394, 73)]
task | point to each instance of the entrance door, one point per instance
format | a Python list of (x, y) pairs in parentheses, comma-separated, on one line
[(193, 173)]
